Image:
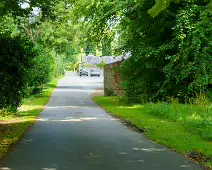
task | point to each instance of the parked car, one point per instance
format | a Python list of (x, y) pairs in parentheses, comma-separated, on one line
[(83, 72), (94, 72)]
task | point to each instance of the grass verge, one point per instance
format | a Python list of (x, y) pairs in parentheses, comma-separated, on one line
[(184, 128), (12, 127)]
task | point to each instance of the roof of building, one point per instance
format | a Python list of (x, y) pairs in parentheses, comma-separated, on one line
[(91, 59)]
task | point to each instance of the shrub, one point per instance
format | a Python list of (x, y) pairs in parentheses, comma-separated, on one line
[(40, 71), (16, 58)]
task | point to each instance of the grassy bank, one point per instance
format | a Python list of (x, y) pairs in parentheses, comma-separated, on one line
[(12, 127), (186, 129)]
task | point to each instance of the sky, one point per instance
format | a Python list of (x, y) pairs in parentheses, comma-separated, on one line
[(24, 5), (35, 11)]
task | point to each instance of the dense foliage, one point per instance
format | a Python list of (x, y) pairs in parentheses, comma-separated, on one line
[(189, 69), (169, 43), (40, 71), (16, 59), (173, 57)]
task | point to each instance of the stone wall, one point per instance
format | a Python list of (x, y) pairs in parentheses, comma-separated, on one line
[(112, 80)]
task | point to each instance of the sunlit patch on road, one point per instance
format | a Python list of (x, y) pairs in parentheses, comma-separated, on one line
[(72, 119), (148, 149)]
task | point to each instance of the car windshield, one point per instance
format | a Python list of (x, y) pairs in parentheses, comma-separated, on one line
[(95, 69)]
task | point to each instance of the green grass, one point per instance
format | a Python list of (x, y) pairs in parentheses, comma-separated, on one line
[(12, 127), (184, 128)]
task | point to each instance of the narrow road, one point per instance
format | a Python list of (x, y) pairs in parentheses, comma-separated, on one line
[(74, 133)]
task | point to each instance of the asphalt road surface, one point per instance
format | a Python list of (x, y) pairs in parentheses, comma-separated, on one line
[(74, 133)]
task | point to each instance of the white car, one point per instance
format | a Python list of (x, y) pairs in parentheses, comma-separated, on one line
[(94, 72)]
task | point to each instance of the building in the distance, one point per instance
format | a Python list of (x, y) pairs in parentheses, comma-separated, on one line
[(91, 59)]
